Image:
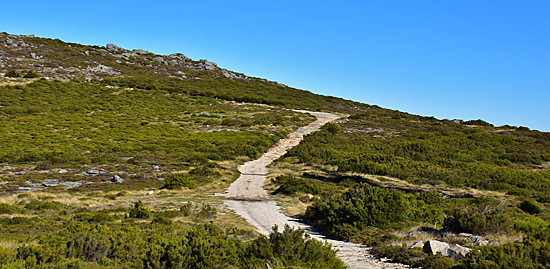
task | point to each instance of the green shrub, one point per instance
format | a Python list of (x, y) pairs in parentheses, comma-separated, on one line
[(530, 224), (332, 128), (139, 211), (17, 221), (93, 217), (162, 220), (530, 207), (7, 256), (31, 74), (436, 262), (207, 211), (9, 209), (176, 181), (187, 209), (293, 248), (482, 216), (533, 252), (366, 206), (44, 165), (43, 205), (203, 171), (291, 185), (478, 122), (12, 73)]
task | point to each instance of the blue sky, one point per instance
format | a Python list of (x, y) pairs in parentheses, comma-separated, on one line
[(448, 59)]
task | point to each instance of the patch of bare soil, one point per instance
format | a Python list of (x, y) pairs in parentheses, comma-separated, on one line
[(247, 197)]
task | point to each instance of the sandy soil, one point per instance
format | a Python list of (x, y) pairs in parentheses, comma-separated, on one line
[(247, 198)]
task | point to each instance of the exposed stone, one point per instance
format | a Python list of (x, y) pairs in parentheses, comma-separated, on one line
[(117, 179), (34, 56), (51, 182), (93, 172), (7, 167), (476, 240), (102, 69), (434, 247), (480, 241), (457, 252), (140, 51), (417, 244), (178, 56), (69, 185), (209, 66), (115, 48)]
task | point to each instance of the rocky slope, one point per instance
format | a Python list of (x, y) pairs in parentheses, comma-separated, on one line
[(56, 59)]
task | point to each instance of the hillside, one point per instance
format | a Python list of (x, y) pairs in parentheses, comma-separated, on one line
[(136, 144)]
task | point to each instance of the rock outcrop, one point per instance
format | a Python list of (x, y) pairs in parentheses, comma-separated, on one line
[(455, 251), (91, 62)]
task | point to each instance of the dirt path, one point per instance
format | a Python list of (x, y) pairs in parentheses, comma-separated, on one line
[(247, 198)]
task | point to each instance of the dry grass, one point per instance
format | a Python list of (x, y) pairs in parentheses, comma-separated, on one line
[(395, 182), (4, 81), (9, 245)]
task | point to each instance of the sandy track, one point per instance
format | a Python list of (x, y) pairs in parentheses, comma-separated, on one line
[(247, 197)]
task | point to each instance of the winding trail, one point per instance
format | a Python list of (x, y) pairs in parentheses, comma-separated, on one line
[(247, 197)]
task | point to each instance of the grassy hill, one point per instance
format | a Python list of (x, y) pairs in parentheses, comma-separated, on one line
[(73, 118)]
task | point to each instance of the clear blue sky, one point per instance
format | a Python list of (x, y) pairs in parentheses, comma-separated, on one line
[(448, 59)]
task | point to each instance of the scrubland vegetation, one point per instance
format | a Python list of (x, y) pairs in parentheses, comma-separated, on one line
[(478, 179), (377, 177), (138, 237)]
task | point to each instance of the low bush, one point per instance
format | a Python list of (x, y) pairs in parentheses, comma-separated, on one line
[(31, 74), (139, 211), (290, 185), (366, 206), (482, 216), (201, 246), (9, 209), (530, 207), (530, 224), (176, 181), (100, 217), (12, 73), (43, 205)]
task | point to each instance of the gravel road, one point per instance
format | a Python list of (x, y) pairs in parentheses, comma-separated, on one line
[(247, 197)]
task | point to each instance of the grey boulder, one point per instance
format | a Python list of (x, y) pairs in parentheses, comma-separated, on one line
[(435, 247), (117, 179)]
